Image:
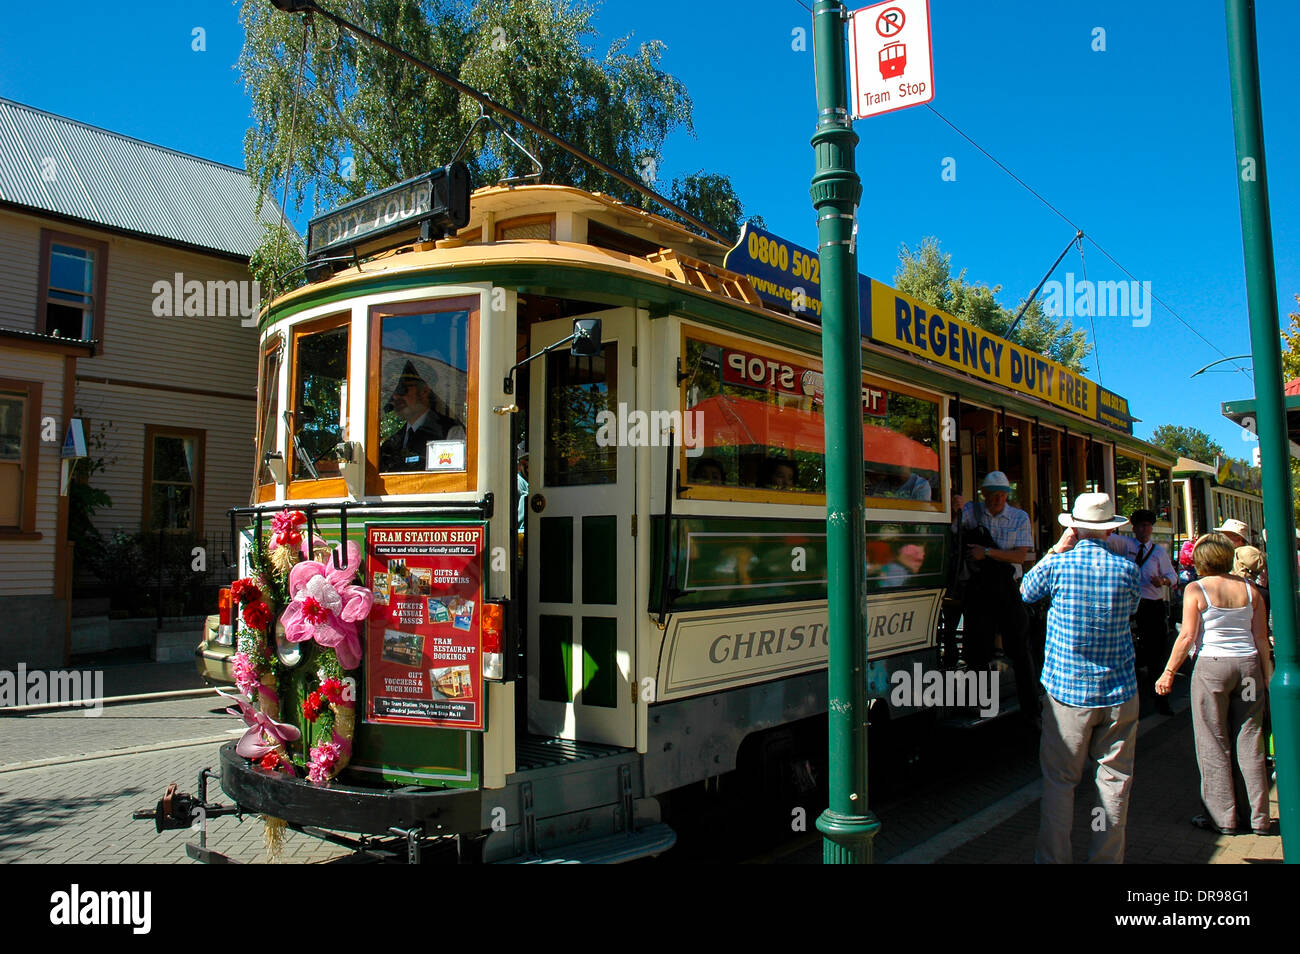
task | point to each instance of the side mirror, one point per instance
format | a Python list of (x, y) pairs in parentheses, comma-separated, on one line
[(586, 338)]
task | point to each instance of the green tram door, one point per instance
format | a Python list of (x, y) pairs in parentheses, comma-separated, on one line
[(581, 577)]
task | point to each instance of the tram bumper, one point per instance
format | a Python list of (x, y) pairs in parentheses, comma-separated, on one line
[(347, 807)]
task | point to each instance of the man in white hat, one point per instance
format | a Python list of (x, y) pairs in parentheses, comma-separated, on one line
[(1091, 708), (991, 600)]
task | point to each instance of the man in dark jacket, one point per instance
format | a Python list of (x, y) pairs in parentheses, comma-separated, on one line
[(412, 401)]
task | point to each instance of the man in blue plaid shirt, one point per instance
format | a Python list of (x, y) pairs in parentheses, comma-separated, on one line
[(1091, 708)]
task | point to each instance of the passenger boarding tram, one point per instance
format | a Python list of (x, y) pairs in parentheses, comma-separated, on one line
[(540, 667)]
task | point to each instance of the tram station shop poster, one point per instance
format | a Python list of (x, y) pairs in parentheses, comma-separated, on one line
[(424, 663)]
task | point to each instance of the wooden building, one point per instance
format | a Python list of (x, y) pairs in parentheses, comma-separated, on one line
[(125, 302)]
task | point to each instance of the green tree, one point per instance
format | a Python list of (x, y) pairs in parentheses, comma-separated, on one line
[(925, 273), (365, 119), (1189, 442), (1291, 353)]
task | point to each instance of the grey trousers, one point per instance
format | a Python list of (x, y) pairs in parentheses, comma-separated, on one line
[(1228, 694), (1072, 737)]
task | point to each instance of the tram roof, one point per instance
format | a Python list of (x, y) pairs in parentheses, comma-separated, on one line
[(685, 274), (1242, 413)]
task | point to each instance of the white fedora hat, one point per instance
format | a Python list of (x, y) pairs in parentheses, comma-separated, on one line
[(1093, 512), (1234, 526)]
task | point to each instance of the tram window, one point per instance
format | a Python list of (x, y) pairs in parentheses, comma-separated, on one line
[(320, 399), (900, 437), (1128, 484), (758, 419), (578, 390), (1158, 491), (423, 378), (268, 416)]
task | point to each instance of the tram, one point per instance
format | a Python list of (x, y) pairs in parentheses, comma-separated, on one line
[(575, 453), (1207, 496)]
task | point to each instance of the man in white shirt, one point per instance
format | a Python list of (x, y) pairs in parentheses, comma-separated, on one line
[(1156, 571), (992, 601)]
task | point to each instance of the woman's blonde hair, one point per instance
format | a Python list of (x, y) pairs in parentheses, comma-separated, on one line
[(1213, 554)]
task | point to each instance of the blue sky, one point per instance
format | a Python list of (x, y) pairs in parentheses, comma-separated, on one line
[(1133, 143)]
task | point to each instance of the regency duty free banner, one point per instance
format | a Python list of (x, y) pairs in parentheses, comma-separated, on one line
[(424, 661)]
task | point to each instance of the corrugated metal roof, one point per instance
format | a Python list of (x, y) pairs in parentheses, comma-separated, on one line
[(59, 165)]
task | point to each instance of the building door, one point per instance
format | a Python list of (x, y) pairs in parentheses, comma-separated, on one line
[(579, 538)]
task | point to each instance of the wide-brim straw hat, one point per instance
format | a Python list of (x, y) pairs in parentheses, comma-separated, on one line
[(1234, 526), (1093, 512)]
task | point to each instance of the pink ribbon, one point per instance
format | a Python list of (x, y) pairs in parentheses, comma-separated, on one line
[(261, 727)]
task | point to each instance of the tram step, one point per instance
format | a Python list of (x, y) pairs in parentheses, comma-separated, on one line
[(609, 850)]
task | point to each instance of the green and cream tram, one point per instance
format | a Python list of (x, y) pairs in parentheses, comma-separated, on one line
[(1210, 495), (666, 603)]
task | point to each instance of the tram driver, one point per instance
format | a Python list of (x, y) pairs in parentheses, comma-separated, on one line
[(413, 401)]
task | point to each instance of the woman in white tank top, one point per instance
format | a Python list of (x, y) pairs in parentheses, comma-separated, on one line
[(1225, 628)]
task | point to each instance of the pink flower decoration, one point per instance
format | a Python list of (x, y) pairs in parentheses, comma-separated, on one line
[(284, 528), (325, 756), (330, 618), (247, 677)]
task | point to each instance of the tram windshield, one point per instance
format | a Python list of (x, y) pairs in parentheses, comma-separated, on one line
[(422, 387)]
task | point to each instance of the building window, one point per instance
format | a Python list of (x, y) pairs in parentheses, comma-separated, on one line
[(72, 284), (173, 479), (20, 408)]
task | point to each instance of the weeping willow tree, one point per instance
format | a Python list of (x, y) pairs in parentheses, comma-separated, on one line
[(339, 117)]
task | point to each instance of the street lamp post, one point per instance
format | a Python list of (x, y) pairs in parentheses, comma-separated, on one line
[(847, 824), (1261, 293)]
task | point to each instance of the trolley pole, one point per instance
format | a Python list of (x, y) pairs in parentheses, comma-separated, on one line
[(1261, 293), (847, 824)]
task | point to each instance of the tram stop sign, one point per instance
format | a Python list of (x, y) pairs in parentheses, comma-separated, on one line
[(891, 65)]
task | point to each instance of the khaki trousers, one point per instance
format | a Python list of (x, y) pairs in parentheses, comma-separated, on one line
[(1073, 737), (1228, 694)]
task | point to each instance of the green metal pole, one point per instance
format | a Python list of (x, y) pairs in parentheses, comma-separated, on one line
[(847, 824), (1261, 292)]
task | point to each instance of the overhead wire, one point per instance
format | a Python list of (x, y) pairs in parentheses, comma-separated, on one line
[(1041, 198), (1114, 261)]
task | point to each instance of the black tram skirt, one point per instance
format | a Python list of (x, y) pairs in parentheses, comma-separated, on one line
[(348, 807)]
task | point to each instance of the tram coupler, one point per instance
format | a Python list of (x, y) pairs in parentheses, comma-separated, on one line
[(177, 810)]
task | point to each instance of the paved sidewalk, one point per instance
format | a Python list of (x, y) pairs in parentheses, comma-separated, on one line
[(1166, 794)]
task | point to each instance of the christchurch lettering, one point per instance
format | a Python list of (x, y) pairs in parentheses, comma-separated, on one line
[(76, 907), (933, 688), (730, 647)]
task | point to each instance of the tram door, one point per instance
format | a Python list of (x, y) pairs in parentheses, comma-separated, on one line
[(579, 537)]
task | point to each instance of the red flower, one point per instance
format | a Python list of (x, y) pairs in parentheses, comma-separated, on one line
[(271, 761), (311, 707), (332, 689), (313, 612), (257, 615), (244, 591)]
